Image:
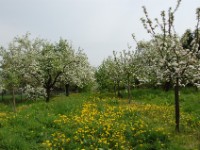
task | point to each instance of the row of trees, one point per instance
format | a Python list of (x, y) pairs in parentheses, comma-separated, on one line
[(166, 59), (38, 66)]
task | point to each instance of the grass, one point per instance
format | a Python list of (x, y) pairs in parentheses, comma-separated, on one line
[(89, 121), (189, 98)]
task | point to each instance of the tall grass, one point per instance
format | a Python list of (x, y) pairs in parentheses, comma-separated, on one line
[(146, 123)]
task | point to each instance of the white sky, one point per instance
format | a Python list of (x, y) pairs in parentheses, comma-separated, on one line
[(97, 26)]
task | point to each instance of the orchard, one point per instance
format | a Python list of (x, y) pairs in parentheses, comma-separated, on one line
[(142, 97)]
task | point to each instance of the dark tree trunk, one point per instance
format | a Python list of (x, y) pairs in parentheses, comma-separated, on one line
[(49, 84), (177, 110), (67, 89), (167, 86), (48, 91), (115, 90)]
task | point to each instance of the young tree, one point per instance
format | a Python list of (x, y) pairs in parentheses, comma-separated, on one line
[(84, 71), (109, 75), (117, 73), (12, 67), (128, 66), (173, 60), (102, 76)]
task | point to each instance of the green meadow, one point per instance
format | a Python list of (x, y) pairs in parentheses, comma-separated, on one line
[(101, 121)]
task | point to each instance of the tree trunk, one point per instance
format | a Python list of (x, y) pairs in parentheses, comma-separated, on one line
[(115, 90), (177, 110), (67, 89), (48, 90), (167, 86), (118, 91), (14, 102)]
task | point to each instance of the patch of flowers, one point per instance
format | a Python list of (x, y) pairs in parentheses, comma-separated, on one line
[(3, 118), (105, 126), (58, 140)]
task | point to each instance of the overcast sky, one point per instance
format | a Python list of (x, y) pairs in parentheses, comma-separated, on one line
[(97, 26)]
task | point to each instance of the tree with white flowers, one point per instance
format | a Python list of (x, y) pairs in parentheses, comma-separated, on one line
[(174, 62), (12, 67), (126, 61), (36, 66), (79, 73), (109, 75), (118, 72), (51, 62), (144, 58)]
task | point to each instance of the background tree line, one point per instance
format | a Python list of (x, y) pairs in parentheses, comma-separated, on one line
[(166, 60)]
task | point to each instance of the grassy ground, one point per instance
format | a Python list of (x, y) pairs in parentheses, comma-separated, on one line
[(89, 121)]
